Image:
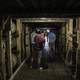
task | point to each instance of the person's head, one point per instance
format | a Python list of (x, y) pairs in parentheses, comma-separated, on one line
[(51, 30), (42, 31), (38, 31)]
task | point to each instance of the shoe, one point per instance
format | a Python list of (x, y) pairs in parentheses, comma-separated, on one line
[(30, 67), (41, 68)]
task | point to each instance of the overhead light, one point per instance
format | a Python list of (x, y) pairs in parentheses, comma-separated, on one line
[(49, 19), (48, 30), (43, 18)]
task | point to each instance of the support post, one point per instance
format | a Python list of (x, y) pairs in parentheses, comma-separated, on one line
[(74, 48)]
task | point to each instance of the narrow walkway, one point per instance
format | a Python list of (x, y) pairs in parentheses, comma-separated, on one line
[(56, 71)]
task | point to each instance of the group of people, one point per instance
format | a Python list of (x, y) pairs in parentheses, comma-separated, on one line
[(39, 55)]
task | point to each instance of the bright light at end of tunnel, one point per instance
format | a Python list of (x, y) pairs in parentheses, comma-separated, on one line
[(43, 18), (48, 30)]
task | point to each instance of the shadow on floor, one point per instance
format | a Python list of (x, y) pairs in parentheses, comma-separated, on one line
[(55, 71)]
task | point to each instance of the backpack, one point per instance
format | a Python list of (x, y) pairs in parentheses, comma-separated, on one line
[(39, 41)]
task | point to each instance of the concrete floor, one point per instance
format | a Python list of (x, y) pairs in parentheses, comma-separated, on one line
[(55, 71)]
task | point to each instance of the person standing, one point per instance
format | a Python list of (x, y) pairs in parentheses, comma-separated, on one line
[(39, 45), (44, 58), (32, 39), (32, 55), (51, 41)]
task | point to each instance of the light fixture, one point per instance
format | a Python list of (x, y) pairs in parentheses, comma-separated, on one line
[(48, 30), (43, 18)]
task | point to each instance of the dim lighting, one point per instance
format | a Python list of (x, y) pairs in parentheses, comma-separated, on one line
[(43, 18), (49, 20), (48, 30)]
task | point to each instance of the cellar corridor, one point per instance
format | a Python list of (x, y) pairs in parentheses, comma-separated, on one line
[(55, 71), (16, 48)]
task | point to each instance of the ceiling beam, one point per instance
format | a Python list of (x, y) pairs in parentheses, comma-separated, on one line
[(43, 19), (69, 3), (77, 4), (34, 3), (20, 3)]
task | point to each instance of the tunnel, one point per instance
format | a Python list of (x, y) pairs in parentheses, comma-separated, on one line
[(19, 57), (16, 48), (56, 27)]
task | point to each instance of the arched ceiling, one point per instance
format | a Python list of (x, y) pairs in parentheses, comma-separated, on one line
[(40, 6)]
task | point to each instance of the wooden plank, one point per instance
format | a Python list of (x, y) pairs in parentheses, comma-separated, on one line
[(19, 39), (27, 41), (3, 59), (9, 52), (10, 55), (15, 73), (43, 19), (22, 43)]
